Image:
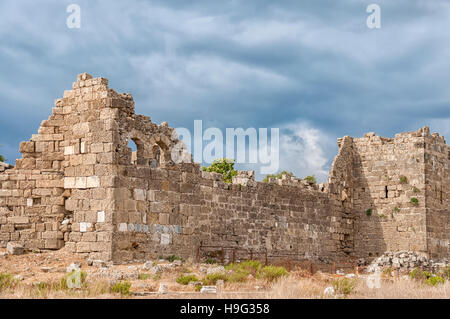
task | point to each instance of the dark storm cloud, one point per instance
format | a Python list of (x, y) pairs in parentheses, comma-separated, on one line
[(309, 67)]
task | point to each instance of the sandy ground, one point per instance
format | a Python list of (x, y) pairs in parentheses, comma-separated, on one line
[(36, 273)]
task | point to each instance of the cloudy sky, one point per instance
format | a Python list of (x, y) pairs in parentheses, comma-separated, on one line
[(311, 68)]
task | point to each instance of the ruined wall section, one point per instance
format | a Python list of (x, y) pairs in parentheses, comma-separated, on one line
[(90, 170), (437, 183), (175, 208), (32, 193), (389, 172), (162, 208), (148, 189), (176, 211), (340, 190)]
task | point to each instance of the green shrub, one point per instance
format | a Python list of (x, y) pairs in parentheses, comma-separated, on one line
[(382, 216), (420, 275), (416, 190), (144, 276), (427, 277), (311, 178), (344, 286), (434, 280), (172, 258), (212, 279), (403, 180), (223, 166), (2, 159), (122, 288), (7, 281), (277, 176), (387, 271), (396, 209), (42, 288), (237, 277), (247, 267), (157, 277), (369, 212), (414, 201), (210, 261), (272, 273), (185, 280)]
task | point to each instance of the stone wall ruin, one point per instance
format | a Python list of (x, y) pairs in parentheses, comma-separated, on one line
[(78, 185)]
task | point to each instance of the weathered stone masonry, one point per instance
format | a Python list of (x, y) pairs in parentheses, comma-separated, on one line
[(79, 185)]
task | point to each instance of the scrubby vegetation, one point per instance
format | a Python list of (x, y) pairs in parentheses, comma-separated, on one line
[(212, 279), (223, 166), (428, 277), (277, 176), (2, 159), (7, 281), (254, 268), (343, 286), (414, 201), (403, 179), (144, 276), (72, 280), (210, 261), (122, 288), (273, 273), (311, 178), (186, 279), (369, 212)]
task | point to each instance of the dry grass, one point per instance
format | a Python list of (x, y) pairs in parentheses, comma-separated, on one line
[(404, 288), (298, 284)]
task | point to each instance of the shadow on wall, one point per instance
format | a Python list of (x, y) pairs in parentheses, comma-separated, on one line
[(369, 237)]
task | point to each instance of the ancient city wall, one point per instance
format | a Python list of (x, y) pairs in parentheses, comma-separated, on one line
[(165, 208), (437, 195), (388, 173), (79, 185)]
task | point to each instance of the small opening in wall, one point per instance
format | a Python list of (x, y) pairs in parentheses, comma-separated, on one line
[(132, 145), (386, 192), (156, 156)]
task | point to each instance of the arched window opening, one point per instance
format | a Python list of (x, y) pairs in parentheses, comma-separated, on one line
[(137, 151), (156, 156), (134, 148)]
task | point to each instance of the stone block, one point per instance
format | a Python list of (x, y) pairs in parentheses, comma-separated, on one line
[(93, 182), (101, 217), (14, 248), (19, 220), (27, 147), (139, 194), (166, 239)]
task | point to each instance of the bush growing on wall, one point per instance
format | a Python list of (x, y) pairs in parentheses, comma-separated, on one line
[(223, 166), (311, 178), (278, 176), (2, 159)]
